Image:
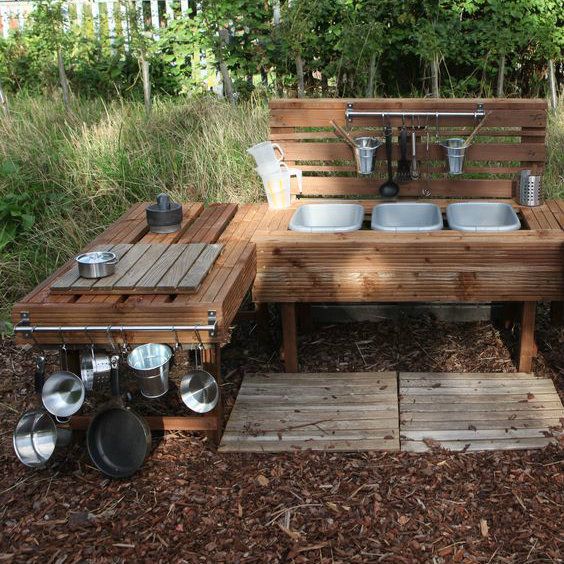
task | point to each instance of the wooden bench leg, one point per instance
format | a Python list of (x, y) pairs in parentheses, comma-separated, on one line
[(289, 337), (557, 313), (527, 347), (212, 363)]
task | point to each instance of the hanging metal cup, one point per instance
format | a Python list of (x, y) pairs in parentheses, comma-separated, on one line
[(365, 153), (455, 149)]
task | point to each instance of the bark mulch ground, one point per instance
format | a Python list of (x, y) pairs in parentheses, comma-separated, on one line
[(189, 504)]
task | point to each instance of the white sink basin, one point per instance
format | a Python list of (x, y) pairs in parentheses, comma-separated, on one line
[(327, 218), (404, 217), (482, 216)]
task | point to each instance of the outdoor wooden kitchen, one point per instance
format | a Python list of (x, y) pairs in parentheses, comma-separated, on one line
[(185, 288)]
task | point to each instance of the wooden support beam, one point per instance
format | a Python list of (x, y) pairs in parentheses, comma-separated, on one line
[(527, 347), (212, 363), (159, 423), (557, 313), (289, 336)]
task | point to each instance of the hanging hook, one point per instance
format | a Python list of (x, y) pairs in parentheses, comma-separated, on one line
[(199, 351), (64, 354), (110, 339), (436, 127), (177, 345), (124, 346)]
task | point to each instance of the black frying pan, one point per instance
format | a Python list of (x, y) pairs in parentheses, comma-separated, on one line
[(118, 440)]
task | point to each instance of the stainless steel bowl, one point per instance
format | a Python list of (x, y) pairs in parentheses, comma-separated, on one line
[(36, 437), (96, 264), (95, 368), (151, 363), (199, 391), (63, 393)]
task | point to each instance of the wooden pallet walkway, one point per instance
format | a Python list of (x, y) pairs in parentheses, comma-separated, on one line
[(477, 411), (359, 411), (334, 412)]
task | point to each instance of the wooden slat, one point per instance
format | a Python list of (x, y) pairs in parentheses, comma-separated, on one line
[(199, 270), (125, 263), (175, 273), (134, 274), (469, 412), (159, 269)]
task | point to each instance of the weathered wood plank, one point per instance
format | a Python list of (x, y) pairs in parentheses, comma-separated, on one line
[(178, 270)]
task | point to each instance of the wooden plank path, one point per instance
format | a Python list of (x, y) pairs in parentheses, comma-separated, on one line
[(148, 269), (336, 412), (478, 411), (359, 411)]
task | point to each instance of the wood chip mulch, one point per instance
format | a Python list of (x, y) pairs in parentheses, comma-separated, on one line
[(189, 504)]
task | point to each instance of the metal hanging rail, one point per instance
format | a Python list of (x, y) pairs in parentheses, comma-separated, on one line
[(25, 327), (351, 113)]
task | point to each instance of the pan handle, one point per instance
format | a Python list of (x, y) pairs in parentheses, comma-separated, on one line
[(39, 376), (114, 376)]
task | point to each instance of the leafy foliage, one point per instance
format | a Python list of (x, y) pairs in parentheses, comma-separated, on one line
[(343, 44)]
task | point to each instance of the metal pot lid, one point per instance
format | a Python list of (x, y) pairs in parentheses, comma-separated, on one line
[(96, 257), (199, 391)]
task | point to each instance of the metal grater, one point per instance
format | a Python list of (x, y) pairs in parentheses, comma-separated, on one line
[(530, 189)]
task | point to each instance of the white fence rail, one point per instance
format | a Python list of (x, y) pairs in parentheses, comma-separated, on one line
[(108, 16)]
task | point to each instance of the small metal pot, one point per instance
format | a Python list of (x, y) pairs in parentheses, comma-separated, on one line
[(63, 394), (36, 437), (96, 264), (151, 363), (95, 368), (199, 391)]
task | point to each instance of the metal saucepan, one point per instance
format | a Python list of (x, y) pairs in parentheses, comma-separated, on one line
[(96, 264), (36, 437), (118, 440), (63, 393), (151, 363), (199, 391), (95, 369)]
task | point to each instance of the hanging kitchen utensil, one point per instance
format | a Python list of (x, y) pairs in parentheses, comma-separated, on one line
[(198, 389), (94, 369), (403, 174), (118, 440), (36, 437), (150, 364), (455, 150), (389, 189), (414, 170), (63, 394)]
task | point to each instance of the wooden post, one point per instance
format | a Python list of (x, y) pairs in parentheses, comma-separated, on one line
[(212, 363), (289, 336), (527, 348), (557, 313)]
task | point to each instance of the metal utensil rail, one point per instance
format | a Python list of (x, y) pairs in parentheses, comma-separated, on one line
[(30, 330), (351, 113)]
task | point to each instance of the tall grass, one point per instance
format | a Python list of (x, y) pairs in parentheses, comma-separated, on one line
[(85, 170), (82, 171)]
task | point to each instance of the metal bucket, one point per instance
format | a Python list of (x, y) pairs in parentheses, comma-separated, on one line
[(151, 363), (365, 153), (530, 189), (199, 391), (95, 369), (36, 437), (455, 149), (63, 393)]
